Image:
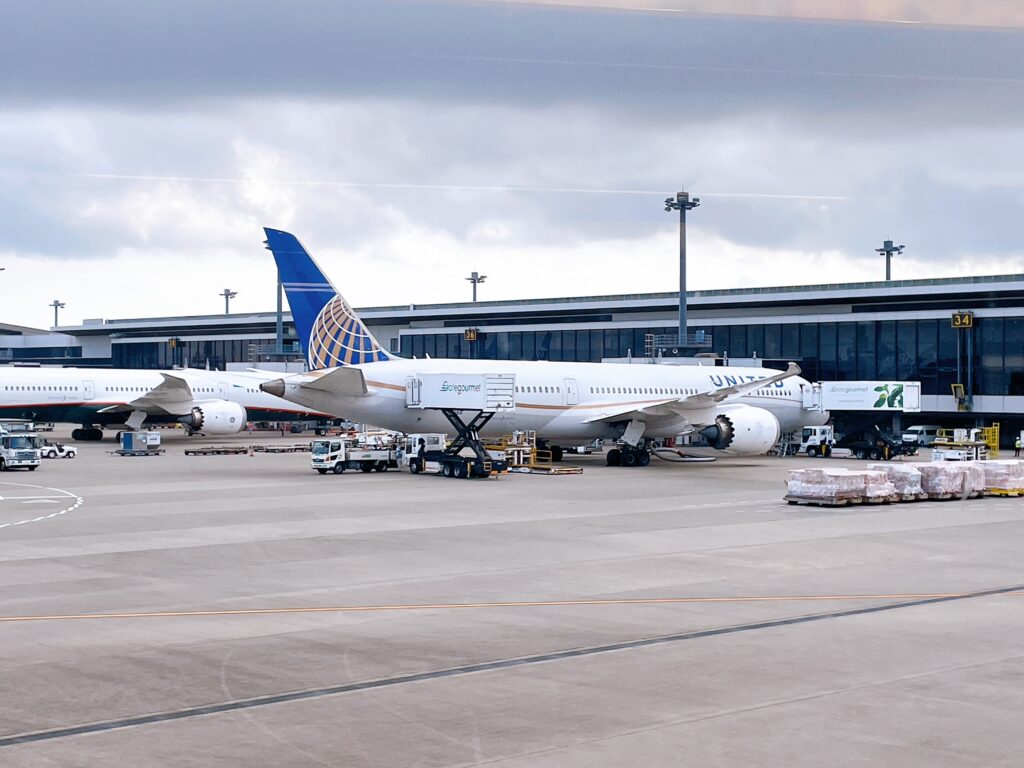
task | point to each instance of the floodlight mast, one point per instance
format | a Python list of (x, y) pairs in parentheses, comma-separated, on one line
[(57, 305), (476, 278), (889, 250), (228, 295), (682, 202)]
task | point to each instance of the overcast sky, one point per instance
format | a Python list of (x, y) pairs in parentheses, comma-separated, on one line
[(144, 145)]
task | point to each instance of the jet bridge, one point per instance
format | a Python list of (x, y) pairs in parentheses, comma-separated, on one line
[(481, 395)]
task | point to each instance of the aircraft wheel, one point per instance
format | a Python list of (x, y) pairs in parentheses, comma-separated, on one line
[(812, 452), (614, 457), (76, 434), (339, 468), (556, 453)]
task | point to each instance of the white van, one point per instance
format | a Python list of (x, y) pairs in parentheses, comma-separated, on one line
[(923, 434)]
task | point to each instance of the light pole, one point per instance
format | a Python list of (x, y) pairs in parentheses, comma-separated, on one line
[(682, 202), (889, 250), (57, 305), (476, 278), (228, 295)]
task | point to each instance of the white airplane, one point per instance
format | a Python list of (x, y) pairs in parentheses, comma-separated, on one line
[(211, 402), (741, 411)]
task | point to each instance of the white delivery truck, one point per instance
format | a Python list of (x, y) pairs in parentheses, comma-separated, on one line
[(338, 454), (817, 441), (19, 446)]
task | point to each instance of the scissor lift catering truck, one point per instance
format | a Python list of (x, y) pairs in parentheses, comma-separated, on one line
[(480, 396)]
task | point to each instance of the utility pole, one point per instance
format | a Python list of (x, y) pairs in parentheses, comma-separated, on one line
[(682, 202), (476, 278), (889, 250), (228, 295), (57, 305)]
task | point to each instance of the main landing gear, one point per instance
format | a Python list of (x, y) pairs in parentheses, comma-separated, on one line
[(628, 456), (87, 434)]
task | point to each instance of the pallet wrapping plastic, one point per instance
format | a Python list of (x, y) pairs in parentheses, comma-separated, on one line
[(905, 478), (1007, 475), (836, 484)]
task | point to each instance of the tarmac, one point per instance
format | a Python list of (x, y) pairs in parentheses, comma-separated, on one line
[(245, 611)]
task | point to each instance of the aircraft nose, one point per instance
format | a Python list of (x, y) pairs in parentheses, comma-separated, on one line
[(274, 387)]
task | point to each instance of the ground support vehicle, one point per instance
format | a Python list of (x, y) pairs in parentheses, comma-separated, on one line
[(51, 450), (139, 444), (817, 441), (875, 445), (482, 396), (450, 460), (19, 447), (338, 455)]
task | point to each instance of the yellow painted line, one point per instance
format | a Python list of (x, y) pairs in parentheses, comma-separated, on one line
[(463, 606)]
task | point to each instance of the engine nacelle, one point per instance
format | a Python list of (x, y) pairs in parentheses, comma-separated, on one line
[(216, 417), (743, 430)]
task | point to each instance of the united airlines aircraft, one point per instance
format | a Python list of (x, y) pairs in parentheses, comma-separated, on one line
[(211, 402), (740, 411)]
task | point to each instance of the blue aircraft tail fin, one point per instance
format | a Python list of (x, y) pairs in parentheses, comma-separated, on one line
[(330, 331)]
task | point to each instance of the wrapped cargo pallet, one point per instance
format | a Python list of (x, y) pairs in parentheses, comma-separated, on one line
[(837, 484), (941, 478), (904, 477), (1004, 475), (974, 478)]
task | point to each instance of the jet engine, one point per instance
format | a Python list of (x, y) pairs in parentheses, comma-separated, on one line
[(743, 430), (216, 417)]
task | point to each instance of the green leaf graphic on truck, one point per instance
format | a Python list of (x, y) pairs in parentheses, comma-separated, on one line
[(892, 399)]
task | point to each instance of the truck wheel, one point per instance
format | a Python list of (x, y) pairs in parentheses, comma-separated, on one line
[(414, 466), (366, 466), (614, 457), (859, 453), (556, 454), (339, 468), (875, 455), (322, 471), (380, 466), (644, 458), (446, 470), (812, 452), (3, 466), (629, 458), (461, 471)]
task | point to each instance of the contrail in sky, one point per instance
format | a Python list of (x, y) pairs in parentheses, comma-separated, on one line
[(449, 187)]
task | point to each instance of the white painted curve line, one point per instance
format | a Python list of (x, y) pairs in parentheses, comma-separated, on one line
[(26, 499)]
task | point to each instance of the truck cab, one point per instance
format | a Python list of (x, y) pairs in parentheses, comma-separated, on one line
[(19, 449), (337, 455), (817, 441)]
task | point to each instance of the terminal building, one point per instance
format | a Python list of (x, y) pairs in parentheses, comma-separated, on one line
[(971, 371)]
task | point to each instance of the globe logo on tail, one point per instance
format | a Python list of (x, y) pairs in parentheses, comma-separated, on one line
[(340, 338)]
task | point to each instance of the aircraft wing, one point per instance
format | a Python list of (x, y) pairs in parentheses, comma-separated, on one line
[(702, 401), (171, 396)]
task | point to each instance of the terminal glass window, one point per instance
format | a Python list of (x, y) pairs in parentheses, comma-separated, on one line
[(1014, 349), (927, 355), (991, 352)]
